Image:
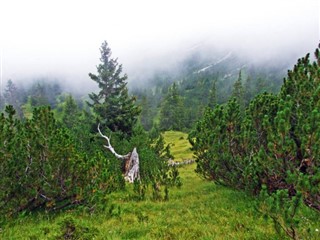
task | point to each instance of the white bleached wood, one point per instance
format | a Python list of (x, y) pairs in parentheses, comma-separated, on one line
[(131, 160)]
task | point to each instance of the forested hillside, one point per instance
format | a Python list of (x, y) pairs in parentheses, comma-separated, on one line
[(248, 131), (196, 81), (200, 80)]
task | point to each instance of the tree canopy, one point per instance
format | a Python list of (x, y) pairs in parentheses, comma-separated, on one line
[(112, 105), (172, 112)]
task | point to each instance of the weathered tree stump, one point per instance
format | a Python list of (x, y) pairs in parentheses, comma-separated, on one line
[(130, 161)]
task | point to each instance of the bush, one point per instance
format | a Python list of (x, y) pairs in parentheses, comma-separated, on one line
[(155, 173), (275, 143), (41, 168)]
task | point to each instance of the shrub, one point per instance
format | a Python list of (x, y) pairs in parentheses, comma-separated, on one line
[(41, 168), (276, 137)]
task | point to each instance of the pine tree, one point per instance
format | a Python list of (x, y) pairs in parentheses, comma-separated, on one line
[(274, 144), (39, 95), (261, 85), (42, 168), (146, 113), (113, 106), (248, 91), (172, 113), (70, 112), (11, 97), (1, 102), (238, 91), (213, 95), (10, 93), (79, 123)]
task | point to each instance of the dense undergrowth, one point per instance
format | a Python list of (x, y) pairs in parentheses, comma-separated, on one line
[(199, 209), (44, 166)]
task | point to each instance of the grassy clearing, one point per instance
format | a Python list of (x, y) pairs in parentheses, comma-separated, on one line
[(180, 146), (198, 210)]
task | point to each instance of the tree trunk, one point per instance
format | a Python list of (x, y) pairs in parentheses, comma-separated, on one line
[(132, 172)]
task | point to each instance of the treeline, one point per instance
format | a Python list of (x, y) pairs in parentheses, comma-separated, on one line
[(270, 147), (177, 101), (42, 92), (170, 101), (51, 156)]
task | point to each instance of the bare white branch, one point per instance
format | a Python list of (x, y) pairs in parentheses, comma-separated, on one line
[(109, 147), (132, 171)]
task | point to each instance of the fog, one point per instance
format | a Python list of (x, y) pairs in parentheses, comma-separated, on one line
[(61, 39)]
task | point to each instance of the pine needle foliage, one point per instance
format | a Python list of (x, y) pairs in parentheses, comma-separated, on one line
[(112, 105), (273, 145)]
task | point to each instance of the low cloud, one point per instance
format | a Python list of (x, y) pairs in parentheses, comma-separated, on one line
[(62, 38)]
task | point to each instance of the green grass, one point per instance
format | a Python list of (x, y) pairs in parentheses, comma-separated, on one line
[(180, 146), (198, 210)]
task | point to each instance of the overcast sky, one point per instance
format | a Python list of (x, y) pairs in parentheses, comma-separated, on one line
[(62, 37)]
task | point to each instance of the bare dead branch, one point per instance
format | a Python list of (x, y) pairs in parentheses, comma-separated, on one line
[(132, 172), (109, 147)]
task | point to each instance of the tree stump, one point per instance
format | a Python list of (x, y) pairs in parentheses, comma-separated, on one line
[(131, 161)]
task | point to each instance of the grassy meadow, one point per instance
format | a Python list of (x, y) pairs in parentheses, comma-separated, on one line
[(198, 210), (179, 145)]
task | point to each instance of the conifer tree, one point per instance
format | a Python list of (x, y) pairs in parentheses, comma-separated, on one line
[(213, 95), (42, 168), (171, 113), (39, 95), (113, 106), (238, 92), (146, 113), (11, 97), (1, 102), (70, 112), (248, 91), (275, 144), (261, 85)]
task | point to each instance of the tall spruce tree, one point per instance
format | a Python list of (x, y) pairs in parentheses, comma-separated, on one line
[(71, 112), (238, 91), (172, 112), (113, 106), (146, 117)]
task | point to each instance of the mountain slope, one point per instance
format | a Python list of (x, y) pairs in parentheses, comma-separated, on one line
[(200, 72)]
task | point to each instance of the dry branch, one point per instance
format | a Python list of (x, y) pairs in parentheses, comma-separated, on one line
[(131, 170)]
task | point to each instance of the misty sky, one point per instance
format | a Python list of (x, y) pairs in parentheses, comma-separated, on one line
[(61, 38)]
